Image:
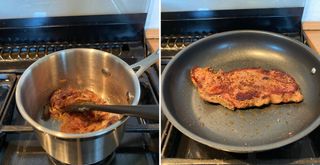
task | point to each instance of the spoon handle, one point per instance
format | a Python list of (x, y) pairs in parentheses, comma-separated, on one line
[(144, 111)]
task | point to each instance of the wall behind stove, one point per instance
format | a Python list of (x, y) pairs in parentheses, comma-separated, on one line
[(51, 8), (193, 5), (153, 18), (311, 11)]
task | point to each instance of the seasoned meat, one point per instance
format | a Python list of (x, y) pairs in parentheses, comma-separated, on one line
[(247, 87), (82, 122)]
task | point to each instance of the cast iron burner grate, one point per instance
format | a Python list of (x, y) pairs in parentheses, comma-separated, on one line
[(180, 41), (176, 42), (18, 52), (105, 161), (179, 149), (171, 45)]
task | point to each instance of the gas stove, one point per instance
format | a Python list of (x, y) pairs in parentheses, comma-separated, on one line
[(188, 27), (23, 41)]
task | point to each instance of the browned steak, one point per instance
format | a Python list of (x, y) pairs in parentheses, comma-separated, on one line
[(247, 87)]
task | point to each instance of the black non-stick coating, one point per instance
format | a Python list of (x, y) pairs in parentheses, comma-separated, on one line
[(254, 129)]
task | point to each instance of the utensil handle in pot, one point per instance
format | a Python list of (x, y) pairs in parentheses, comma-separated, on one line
[(142, 128), (150, 112), (146, 63)]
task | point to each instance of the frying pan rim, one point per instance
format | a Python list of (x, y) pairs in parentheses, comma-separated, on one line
[(226, 147), (59, 134)]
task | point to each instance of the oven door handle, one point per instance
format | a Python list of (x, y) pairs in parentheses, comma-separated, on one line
[(15, 128)]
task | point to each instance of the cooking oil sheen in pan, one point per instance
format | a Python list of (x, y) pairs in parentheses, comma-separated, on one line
[(250, 125), (272, 122), (276, 122)]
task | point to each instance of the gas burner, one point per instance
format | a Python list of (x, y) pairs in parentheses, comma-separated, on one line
[(108, 160)]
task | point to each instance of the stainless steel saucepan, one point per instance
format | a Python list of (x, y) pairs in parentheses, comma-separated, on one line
[(105, 74)]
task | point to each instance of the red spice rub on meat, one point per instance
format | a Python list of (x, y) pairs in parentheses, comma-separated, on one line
[(247, 87), (73, 122)]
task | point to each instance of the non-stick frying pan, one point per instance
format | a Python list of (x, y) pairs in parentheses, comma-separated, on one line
[(254, 129)]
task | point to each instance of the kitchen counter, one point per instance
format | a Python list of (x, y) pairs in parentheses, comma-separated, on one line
[(152, 36), (312, 34)]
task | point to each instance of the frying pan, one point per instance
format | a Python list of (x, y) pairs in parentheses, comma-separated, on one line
[(254, 129)]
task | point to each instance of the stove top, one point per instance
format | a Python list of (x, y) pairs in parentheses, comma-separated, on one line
[(176, 148), (23, 41)]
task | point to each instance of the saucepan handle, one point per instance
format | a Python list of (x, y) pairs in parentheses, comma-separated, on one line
[(144, 64)]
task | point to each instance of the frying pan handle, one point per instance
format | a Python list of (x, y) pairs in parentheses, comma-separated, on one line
[(144, 64)]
